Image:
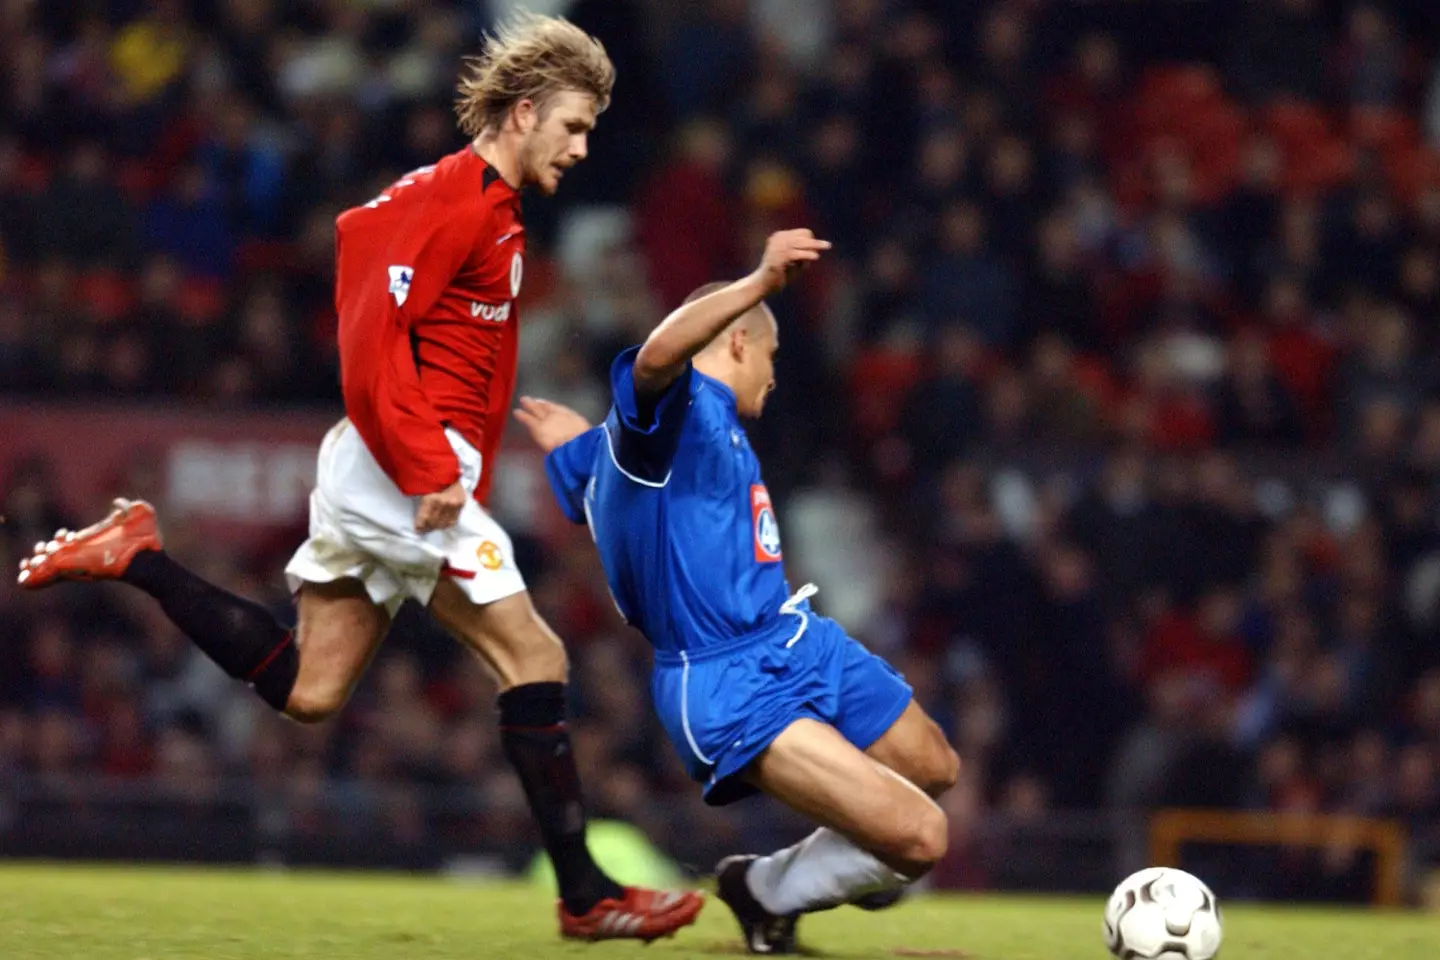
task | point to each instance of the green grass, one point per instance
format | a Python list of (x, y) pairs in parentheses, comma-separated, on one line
[(102, 913)]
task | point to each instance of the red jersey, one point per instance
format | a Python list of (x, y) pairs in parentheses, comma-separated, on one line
[(427, 275)]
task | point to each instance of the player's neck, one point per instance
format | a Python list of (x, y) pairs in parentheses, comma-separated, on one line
[(502, 152), (717, 369)]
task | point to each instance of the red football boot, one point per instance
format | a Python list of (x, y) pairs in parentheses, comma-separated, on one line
[(99, 552), (640, 915)]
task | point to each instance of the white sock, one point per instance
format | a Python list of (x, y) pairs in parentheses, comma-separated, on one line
[(822, 871)]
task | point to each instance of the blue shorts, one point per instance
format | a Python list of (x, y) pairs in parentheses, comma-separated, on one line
[(722, 707)]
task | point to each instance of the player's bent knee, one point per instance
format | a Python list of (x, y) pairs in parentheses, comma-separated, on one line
[(313, 703), (925, 842), (914, 839)]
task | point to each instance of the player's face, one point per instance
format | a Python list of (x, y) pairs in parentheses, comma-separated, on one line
[(758, 371), (557, 139)]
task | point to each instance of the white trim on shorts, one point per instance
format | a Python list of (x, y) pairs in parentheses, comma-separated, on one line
[(685, 709)]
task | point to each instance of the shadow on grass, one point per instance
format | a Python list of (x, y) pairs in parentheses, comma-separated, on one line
[(734, 949)]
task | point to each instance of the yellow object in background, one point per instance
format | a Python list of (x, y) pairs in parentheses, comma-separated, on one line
[(623, 852), (147, 57)]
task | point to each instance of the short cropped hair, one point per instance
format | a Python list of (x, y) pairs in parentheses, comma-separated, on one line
[(743, 321), (530, 57), (705, 291)]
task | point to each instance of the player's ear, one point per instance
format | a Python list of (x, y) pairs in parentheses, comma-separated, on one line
[(739, 343), (526, 115)]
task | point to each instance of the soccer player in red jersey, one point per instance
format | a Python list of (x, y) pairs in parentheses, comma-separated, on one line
[(427, 277)]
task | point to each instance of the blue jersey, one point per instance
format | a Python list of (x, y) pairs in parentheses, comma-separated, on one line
[(685, 527), (686, 531)]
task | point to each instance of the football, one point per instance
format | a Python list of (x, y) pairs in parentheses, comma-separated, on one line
[(1162, 914)]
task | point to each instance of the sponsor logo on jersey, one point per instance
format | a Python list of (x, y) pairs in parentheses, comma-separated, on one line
[(767, 528), (400, 278), (490, 555), (495, 313), (517, 270)]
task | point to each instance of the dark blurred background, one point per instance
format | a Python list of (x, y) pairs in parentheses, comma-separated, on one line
[(1113, 420)]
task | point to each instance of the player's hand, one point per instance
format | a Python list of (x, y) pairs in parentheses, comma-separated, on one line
[(786, 252), (439, 511), (551, 425)]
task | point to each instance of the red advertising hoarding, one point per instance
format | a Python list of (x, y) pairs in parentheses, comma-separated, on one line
[(244, 476)]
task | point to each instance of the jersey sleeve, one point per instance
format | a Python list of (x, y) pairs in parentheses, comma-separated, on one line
[(421, 258), (649, 427), (569, 467)]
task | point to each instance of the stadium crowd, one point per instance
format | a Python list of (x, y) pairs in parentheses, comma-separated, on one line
[(1117, 398)]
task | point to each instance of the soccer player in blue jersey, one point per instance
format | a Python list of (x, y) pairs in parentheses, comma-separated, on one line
[(756, 691)]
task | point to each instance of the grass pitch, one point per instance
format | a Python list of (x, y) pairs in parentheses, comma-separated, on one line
[(103, 913)]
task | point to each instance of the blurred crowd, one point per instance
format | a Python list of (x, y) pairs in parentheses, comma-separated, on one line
[(1180, 262)]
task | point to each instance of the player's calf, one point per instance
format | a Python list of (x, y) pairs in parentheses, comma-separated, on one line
[(943, 773), (919, 841), (529, 662), (509, 635), (814, 770), (934, 770), (915, 747), (240, 636), (879, 830)]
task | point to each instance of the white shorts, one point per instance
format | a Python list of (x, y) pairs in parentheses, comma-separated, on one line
[(362, 526)]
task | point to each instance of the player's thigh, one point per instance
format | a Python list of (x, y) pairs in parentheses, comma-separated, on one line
[(508, 634), (338, 629), (915, 747), (815, 771)]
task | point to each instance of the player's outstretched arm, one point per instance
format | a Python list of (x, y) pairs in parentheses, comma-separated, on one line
[(570, 444), (549, 424), (686, 331)]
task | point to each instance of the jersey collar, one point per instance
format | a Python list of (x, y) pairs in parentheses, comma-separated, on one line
[(489, 175), (723, 389)]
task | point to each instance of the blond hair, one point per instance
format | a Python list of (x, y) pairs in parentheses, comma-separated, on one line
[(530, 57)]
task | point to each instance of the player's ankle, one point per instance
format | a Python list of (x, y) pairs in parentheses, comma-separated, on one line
[(147, 564), (532, 705), (600, 887)]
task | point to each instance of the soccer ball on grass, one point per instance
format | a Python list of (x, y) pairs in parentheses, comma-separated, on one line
[(1162, 914)]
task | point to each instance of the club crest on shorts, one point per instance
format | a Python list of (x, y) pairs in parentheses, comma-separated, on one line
[(490, 555), (767, 528)]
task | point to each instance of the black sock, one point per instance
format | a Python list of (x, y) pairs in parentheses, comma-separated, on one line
[(532, 731), (238, 634)]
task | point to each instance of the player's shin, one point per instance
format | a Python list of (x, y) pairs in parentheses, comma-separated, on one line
[(532, 731), (241, 636), (820, 872)]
